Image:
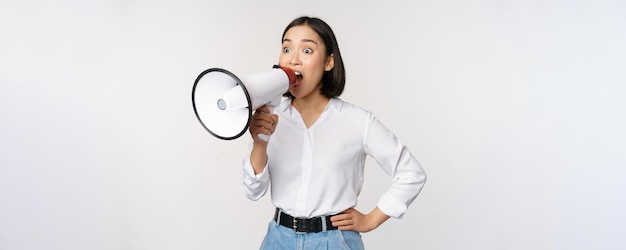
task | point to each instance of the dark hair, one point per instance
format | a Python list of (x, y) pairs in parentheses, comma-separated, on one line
[(333, 81)]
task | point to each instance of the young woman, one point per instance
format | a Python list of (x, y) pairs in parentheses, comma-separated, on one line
[(315, 157)]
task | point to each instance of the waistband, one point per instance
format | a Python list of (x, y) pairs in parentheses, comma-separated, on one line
[(304, 225)]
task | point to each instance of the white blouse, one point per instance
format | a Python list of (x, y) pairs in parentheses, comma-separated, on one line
[(319, 170)]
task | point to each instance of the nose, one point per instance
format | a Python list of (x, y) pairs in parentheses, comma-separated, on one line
[(294, 59)]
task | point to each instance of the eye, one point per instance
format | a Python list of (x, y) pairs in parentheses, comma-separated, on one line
[(286, 50), (308, 51)]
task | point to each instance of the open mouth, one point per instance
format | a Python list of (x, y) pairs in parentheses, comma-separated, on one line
[(297, 81), (298, 77)]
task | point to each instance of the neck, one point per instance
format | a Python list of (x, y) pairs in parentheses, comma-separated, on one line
[(310, 104)]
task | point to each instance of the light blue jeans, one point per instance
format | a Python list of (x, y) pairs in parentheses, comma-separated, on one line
[(279, 237)]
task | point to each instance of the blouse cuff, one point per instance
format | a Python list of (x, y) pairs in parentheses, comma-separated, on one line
[(248, 172), (391, 206)]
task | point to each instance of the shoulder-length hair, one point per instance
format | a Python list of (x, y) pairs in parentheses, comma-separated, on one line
[(333, 81)]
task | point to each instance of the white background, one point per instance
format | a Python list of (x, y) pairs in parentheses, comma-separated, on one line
[(514, 108)]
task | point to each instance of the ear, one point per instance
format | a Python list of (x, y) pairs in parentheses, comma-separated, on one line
[(330, 62)]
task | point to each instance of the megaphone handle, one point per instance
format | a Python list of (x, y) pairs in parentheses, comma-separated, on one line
[(271, 105), (264, 137)]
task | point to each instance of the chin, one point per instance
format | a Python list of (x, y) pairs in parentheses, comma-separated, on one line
[(295, 93)]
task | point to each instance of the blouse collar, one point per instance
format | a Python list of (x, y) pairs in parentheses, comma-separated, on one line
[(334, 104)]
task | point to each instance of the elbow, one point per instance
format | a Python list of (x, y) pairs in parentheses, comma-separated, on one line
[(252, 194)]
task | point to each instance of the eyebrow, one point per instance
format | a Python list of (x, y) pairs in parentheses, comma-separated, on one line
[(303, 40)]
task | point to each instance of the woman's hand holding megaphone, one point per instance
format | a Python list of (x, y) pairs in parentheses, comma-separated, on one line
[(263, 124)]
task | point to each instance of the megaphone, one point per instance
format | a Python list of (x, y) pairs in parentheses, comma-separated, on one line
[(224, 104)]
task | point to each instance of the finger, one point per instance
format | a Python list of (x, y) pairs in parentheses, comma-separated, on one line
[(264, 122), (263, 109), (342, 223), (339, 217), (261, 115), (263, 126), (346, 228), (346, 214), (342, 220)]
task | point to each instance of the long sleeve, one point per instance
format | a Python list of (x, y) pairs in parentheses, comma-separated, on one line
[(254, 186), (396, 160)]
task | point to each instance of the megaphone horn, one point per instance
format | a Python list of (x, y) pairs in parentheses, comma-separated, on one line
[(223, 104)]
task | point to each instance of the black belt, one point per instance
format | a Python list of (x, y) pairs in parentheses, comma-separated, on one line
[(303, 225)]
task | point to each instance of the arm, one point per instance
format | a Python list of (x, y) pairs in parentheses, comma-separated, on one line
[(408, 178), (255, 179), (258, 157), (396, 160), (263, 122)]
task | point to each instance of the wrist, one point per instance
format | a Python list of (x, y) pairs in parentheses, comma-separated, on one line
[(258, 157), (376, 217), (259, 145)]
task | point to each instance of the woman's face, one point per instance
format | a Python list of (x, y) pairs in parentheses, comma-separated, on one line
[(304, 52)]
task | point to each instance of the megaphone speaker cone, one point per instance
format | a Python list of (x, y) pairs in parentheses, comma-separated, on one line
[(221, 103)]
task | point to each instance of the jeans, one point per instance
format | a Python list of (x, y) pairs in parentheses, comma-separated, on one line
[(279, 237)]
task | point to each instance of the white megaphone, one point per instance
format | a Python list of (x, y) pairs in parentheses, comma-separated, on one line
[(224, 104)]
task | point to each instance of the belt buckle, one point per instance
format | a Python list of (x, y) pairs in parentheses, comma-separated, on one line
[(295, 227)]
